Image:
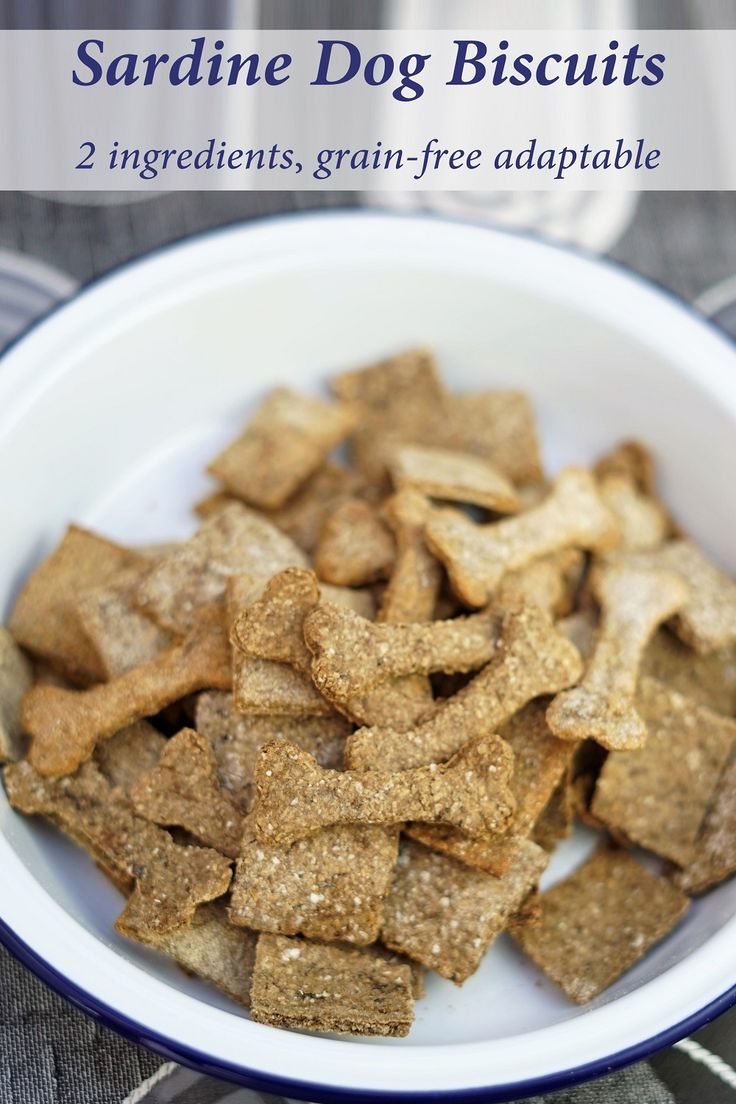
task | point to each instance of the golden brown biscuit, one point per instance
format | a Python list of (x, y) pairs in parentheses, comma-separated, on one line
[(16, 677), (658, 797), (329, 886), (285, 442), (631, 460), (533, 660), (182, 790), (634, 602), (401, 401), (44, 618), (715, 848), (65, 725), (453, 477), (120, 634), (350, 655), (446, 915), (233, 541), (303, 516), (642, 521), (209, 947), (355, 546), (707, 679), (296, 797), (707, 621), (478, 556), (236, 740), (414, 585), (312, 987), (540, 763), (551, 583), (600, 921), (499, 426), (130, 752), (169, 880)]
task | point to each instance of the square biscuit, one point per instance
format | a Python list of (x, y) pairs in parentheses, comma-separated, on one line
[(16, 676), (709, 680), (715, 853), (233, 541), (285, 442), (498, 426), (120, 634), (44, 619), (329, 886), (401, 401), (237, 738), (446, 915), (657, 797), (599, 922), (210, 948), (313, 987)]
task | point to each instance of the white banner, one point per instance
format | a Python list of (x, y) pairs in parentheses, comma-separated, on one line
[(367, 110)]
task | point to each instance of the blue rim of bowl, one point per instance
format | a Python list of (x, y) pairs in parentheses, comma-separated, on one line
[(304, 1090), (324, 1094)]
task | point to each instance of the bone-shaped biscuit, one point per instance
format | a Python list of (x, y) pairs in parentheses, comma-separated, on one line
[(271, 626), (355, 546), (410, 595), (643, 521), (271, 662), (478, 556), (540, 765), (633, 601), (65, 725), (411, 592), (297, 797), (707, 621), (351, 655), (266, 615), (630, 460), (267, 621), (532, 659), (183, 790), (270, 687), (170, 879), (550, 582)]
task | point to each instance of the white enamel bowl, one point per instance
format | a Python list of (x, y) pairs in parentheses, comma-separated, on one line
[(108, 411)]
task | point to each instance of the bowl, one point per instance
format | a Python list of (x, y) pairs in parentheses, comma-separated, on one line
[(109, 410)]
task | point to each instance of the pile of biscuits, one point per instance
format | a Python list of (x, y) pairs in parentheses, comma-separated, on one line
[(331, 740)]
